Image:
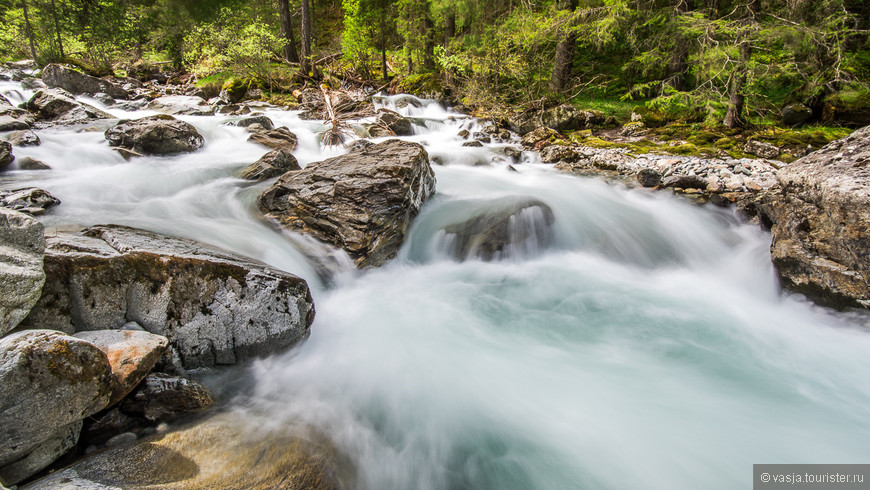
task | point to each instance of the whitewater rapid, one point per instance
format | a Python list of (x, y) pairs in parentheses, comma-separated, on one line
[(647, 346)]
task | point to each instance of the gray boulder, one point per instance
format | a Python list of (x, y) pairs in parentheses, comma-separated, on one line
[(22, 246), (685, 182), (24, 137), (539, 138), (363, 202), (14, 118), (30, 200), (762, 149), (73, 81), (56, 106), (505, 228), (277, 139), (559, 153), (131, 354), (649, 177), (272, 164), (215, 307), (28, 163), (164, 398), (394, 122), (50, 382), (155, 135), (263, 121), (6, 156), (563, 118), (820, 218), (180, 105)]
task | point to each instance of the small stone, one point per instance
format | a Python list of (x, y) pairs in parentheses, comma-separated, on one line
[(28, 163), (473, 144), (649, 177), (24, 137), (122, 439)]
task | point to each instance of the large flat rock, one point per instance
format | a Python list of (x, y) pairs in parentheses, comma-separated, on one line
[(362, 202), (215, 307)]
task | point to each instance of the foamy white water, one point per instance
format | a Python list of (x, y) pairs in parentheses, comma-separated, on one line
[(647, 346)]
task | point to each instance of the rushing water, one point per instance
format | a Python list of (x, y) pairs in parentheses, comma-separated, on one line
[(646, 346)]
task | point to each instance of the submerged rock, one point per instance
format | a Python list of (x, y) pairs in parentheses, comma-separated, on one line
[(22, 246), (507, 228), (29, 200), (50, 383), (820, 221), (272, 164), (6, 156), (363, 202), (131, 353), (155, 135), (215, 307), (164, 398), (69, 79), (224, 451), (277, 139), (24, 137), (180, 105)]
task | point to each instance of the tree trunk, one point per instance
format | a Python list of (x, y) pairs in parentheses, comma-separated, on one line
[(678, 65), (449, 27), (383, 51), (429, 47), (564, 54), (28, 29), (306, 39), (736, 97), (287, 29), (410, 61), (57, 28)]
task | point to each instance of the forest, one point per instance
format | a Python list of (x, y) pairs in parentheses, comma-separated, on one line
[(717, 62)]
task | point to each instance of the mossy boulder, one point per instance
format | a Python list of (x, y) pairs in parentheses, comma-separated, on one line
[(50, 383), (234, 90), (849, 107)]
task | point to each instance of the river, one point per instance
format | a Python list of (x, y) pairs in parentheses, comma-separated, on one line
[(647, 346)]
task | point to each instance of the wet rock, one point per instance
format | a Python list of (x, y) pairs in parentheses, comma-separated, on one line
[(473, 144), (820, 220), (263, 121), (33, 84), (50, 381), (272, 164), (28, 163), (363, 202), (104, 99), (59, 442), (463, 134), (180, 105), (75, 82), (762, 149), (6, 156), (503, 229), (649, 177), (277, 139), (29, 200), (132, 354), (795, 114), (22, 246), (395, 122), (215, 307), (24, 137), (56, 106), (155, 135), (9, 122), (224, 451), (685, 182), (512, 152), (164, 398), (482, 137)]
